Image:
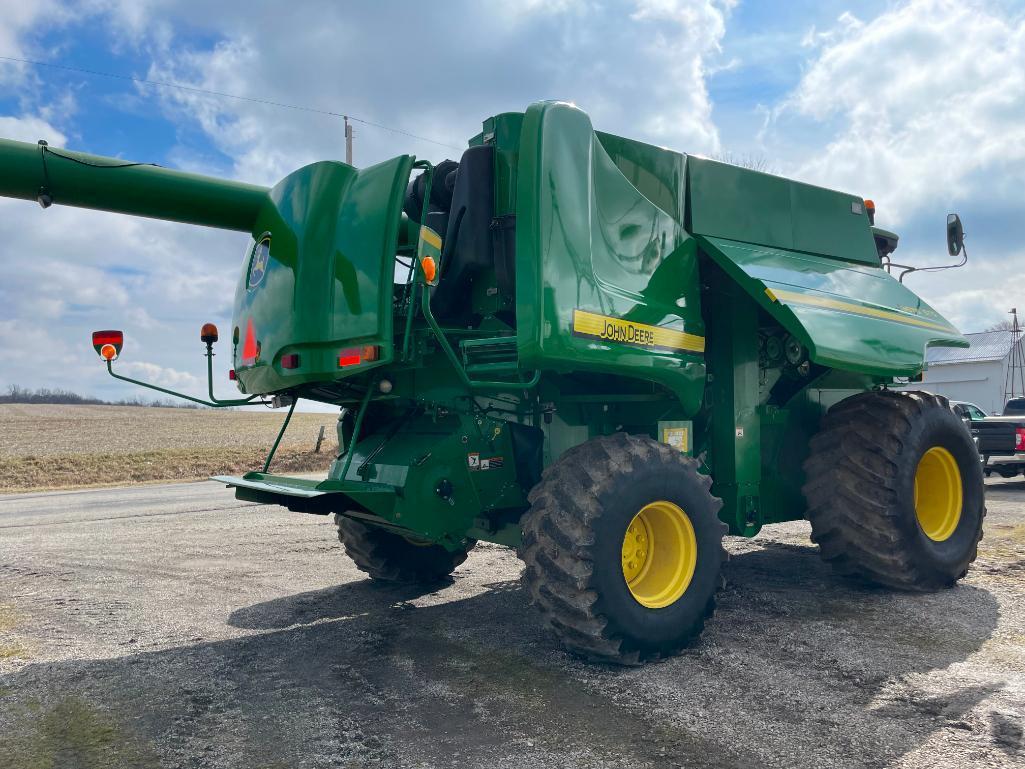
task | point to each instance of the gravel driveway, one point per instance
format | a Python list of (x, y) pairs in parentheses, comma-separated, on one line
[(173, 626)]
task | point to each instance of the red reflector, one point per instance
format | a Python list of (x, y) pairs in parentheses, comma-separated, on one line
[(249, 348), (290, 361), (115, 338), (231, 375), (1019, 439)]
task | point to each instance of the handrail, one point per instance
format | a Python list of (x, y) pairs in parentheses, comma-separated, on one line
[(415, 261), (356, 428), (471, 384), (421, 284), (281, 433)]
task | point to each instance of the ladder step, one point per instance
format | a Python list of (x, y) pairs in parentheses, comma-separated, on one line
[(489, 356), (489, 369)]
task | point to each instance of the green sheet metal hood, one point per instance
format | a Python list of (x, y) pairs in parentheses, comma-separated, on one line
[(849, 315)]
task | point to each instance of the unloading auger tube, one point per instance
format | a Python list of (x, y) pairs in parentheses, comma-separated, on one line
[(601, 353), (54, 176)]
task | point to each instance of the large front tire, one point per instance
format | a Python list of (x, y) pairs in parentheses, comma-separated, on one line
[(895, 490), (623, 549), (390, 557)]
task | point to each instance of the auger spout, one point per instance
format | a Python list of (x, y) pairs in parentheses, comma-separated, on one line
[(57, 176)]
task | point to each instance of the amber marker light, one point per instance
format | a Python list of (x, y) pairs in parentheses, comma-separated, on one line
[(108, 352), (870, 207), (208, 334), (430, 268)]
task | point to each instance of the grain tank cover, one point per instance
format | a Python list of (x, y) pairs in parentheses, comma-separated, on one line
[(728, 201), (851, 316), (317, 281), (808, 257)]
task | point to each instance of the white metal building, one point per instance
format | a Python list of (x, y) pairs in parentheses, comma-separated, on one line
[(976, 374)]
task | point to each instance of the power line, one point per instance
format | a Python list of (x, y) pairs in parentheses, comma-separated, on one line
[(223, 95)]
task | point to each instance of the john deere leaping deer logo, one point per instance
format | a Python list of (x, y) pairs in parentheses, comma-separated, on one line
[(261, 258)]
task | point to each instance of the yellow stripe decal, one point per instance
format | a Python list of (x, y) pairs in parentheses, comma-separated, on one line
[(795, 297), (609, 329), (431, 237)]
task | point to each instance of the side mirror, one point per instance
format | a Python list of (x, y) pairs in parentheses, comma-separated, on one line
[(955, 234)]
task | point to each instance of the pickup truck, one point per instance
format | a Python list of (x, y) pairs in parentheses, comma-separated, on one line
[(1000, 439)]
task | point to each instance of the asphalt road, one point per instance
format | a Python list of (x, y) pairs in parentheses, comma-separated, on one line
[(174, 626)]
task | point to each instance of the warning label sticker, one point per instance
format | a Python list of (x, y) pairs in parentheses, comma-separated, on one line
[(675, 437)]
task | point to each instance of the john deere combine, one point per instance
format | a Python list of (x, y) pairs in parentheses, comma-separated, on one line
[(604, 354)]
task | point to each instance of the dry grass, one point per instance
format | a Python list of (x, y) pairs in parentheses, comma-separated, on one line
[(51, 447)]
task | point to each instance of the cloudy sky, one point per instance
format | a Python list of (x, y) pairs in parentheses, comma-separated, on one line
[(919, 105)]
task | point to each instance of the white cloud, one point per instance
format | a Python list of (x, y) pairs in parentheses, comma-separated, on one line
[(684, 35), (20, 17), (927, 100), (637, 67), (30, 129), (162, 376), (519, 10)]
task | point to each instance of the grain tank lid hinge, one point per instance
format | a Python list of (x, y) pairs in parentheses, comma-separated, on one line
[(850, 316)]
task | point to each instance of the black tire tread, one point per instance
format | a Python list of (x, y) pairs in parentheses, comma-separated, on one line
[(850, 488), (387, 557), (557, 540)]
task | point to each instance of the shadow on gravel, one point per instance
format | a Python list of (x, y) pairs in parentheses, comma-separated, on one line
[(849, 659), (360, 677), (797, 666)]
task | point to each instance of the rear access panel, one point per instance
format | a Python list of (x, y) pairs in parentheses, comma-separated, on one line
[(318, 275)]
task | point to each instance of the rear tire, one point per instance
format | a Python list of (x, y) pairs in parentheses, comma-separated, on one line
[(895, 490), (390, 557), (623, 549)]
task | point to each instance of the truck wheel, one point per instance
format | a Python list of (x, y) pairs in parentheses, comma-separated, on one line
[(390, 557), (895, 490), (623, 549)]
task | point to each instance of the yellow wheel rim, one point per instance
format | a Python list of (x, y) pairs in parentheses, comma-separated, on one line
[(938, 494), (660, 553)]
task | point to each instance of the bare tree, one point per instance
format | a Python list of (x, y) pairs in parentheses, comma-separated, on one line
[(746, 160), (1004, 325)]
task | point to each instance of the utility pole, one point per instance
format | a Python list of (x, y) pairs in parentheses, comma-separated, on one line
[(348, 140), (1016, 362)]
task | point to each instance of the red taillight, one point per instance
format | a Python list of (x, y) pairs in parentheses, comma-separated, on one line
[(356, 355), (231, 375), (1019, 439), (290, 361)]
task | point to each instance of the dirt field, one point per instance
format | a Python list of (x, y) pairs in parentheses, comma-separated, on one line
[(54, 447), (173, 626)]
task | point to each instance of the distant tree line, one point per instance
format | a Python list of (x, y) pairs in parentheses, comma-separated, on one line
[(16, 394)]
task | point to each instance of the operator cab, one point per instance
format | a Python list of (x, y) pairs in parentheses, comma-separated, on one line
[(478, 249)]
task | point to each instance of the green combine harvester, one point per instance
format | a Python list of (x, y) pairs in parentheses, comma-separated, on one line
[(604, 354)]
